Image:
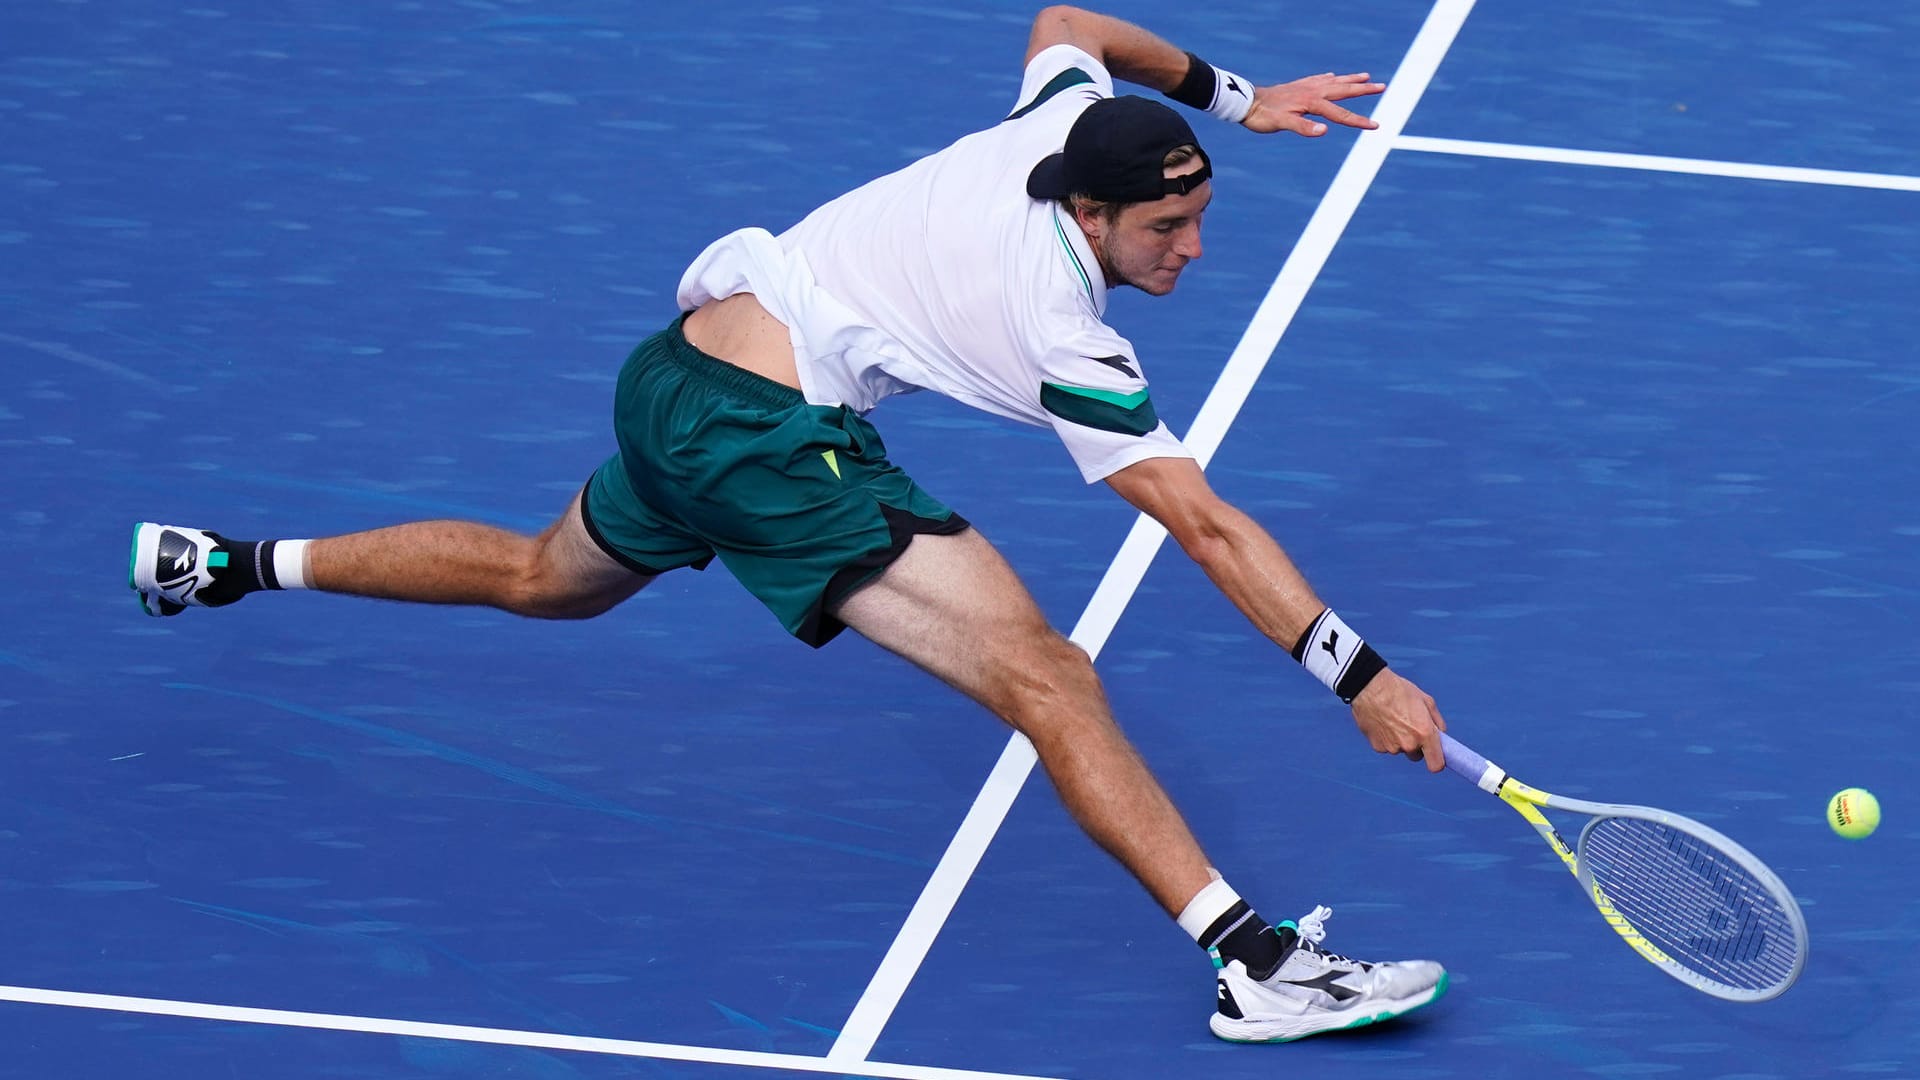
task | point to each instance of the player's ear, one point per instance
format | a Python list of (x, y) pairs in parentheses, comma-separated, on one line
[(1091, 217)]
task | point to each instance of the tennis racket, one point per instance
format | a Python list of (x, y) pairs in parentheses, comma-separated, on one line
[(1691, 901)]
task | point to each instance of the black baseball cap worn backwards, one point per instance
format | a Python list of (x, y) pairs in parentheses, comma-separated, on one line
[(1114, 153)]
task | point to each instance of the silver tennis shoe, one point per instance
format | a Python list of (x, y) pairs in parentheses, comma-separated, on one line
[(171, 564), (1314, 991)]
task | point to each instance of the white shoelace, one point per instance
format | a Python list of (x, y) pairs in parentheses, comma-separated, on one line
[(1313, 930), (1312, 926)]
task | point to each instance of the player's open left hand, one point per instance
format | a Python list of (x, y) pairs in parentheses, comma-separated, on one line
[(1398, 717), (1292, 106)]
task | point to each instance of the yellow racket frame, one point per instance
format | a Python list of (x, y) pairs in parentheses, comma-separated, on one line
[(1528, 802)]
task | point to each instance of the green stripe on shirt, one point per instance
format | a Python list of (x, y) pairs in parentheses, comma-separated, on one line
[(1104, 410), (1073, 257), (1069, 77)]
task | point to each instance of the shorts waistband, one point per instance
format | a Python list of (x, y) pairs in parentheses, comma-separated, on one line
[(736, 380)]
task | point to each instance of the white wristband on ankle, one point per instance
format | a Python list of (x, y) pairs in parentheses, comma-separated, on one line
[(290, 564), (1207, 905)]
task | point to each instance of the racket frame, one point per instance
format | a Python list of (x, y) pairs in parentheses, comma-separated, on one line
[(1528, 801)]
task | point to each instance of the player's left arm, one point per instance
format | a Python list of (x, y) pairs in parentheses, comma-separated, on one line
[(1250, 567), (1141, 57)]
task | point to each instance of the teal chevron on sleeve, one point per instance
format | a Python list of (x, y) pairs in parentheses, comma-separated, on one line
[(1069, 77), (1126, 414)]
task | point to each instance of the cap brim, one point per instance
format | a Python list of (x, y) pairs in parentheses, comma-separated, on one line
[(1048, 180)]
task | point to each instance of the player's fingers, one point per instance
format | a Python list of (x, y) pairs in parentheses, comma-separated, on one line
[(1435, 755), (1433, 710), (1343, 116), (1343, 91)]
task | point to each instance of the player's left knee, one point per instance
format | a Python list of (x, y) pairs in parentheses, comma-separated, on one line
[(536, 590), (549, 602), (1052, 684)]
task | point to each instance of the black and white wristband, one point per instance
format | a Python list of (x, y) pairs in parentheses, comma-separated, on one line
[(1214, 90), (1337, 656)]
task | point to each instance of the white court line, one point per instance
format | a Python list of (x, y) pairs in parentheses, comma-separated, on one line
[(1123, 577), (55, 349), (1788, 173), (496, 1036)]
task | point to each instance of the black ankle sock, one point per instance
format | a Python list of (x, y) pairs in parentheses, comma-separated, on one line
[(249, 568), (1241, 934)]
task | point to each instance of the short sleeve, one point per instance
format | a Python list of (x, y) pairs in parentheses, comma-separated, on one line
[(1095, 396), (1058, 70)]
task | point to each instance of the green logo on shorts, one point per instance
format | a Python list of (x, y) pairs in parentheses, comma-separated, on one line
[(832, 463)]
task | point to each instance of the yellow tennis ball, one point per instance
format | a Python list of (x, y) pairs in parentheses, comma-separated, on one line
[(1854, 813)]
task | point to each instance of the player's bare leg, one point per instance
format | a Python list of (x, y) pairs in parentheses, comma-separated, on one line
[(558, 574), (954, 607)]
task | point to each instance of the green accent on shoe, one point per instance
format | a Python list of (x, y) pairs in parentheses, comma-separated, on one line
[(1288, 923), (133, 557), (1214, 955), (217, 559)]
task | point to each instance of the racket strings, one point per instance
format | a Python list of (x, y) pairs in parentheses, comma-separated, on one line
[(1702, 917), (1692, 901)]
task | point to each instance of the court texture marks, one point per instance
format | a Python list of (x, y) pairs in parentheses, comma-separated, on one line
[(1585, 388)]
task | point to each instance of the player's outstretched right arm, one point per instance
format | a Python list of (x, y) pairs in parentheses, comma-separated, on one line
[(1139, 56), (1249, 567)]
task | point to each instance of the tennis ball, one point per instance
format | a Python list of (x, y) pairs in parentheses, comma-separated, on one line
[(1854, 813)]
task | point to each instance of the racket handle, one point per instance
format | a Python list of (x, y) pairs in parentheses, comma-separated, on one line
[(1464, 761)]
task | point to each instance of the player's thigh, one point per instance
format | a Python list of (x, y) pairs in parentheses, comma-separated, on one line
[(575, 574), (952, 605)]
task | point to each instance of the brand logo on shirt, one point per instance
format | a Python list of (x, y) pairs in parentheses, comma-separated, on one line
[(1118, 363)]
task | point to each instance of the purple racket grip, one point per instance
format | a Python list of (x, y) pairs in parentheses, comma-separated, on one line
[(1462, 760)]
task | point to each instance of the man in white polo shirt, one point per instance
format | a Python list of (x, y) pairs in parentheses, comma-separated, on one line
[(980, 272)]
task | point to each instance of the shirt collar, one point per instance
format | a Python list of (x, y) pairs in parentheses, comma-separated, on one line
[(1074, 249)]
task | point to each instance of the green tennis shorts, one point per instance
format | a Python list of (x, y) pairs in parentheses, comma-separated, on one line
[(799, 501)]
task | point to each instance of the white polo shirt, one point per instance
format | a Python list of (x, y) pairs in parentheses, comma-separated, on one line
[(946, 276)]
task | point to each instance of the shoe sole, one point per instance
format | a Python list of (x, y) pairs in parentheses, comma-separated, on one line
[(1280, 1031), (146, 552)]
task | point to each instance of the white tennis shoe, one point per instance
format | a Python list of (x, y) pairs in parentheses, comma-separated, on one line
[(1314, 991), (170, 565)]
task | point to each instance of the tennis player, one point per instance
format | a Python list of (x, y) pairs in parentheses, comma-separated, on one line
[(981, 272)]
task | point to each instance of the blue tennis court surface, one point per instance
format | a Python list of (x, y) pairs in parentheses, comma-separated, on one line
[(1613, 457)]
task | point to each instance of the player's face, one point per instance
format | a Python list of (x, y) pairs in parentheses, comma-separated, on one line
[(1147, 244)]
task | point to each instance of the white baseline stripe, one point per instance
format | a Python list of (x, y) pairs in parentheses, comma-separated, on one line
[(497, 1036), (1788, 173), (1123, 577)]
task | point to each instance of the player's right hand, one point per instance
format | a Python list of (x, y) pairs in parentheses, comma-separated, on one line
[(1398, 717), (1291, 106)]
